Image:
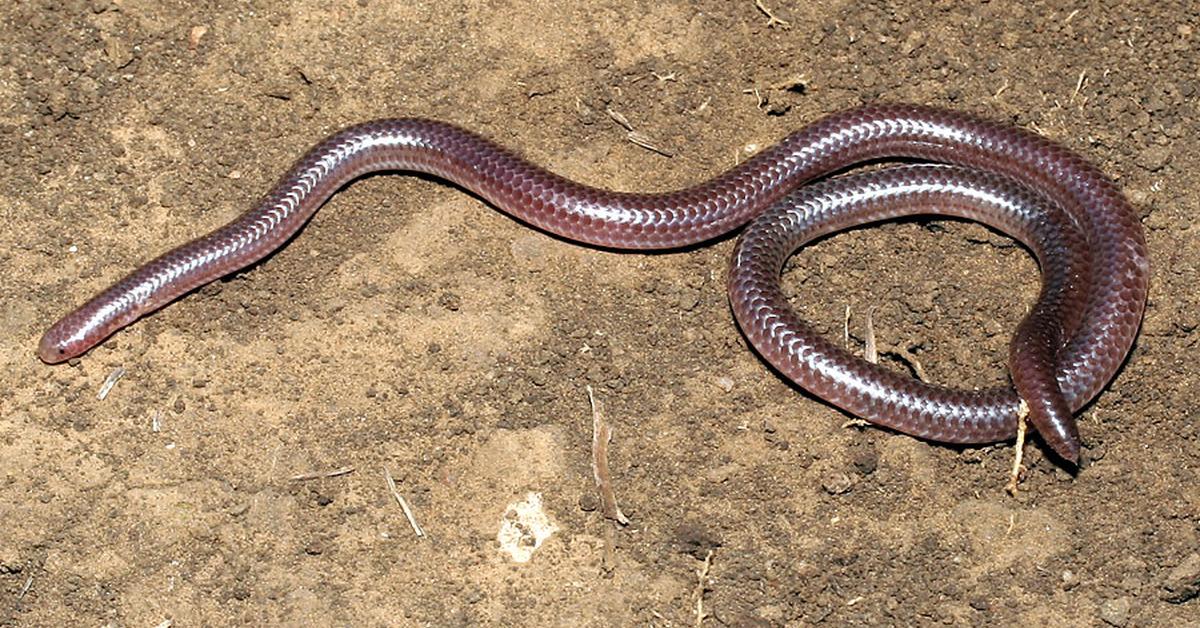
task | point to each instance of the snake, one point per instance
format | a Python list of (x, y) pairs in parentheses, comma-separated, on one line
[(1087, 238)]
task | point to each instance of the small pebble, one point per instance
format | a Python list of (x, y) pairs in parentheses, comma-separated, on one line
[(1069, 580), (1115, 612), (450, 301), (1183, 582), (1154, 157), (688, 299), (837, 483)]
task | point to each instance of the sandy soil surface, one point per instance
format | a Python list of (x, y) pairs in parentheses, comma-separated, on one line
[(412, 328)]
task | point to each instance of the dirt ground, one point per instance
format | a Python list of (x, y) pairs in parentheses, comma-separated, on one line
[(410, 327)]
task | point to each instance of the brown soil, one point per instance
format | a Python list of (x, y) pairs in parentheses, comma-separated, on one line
[(413, 328)]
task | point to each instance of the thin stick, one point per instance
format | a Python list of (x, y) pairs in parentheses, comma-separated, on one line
[(110, 381), (871, 352), (1003, 88), (643, 140), (772, 21), (322, 474), (637, 137), (1015, 478), (412, 521), (619, 118), (846, 329), (601, 436), (701, 580)]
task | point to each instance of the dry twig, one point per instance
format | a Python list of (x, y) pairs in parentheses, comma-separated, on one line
[(110, 381), (637, 137), (701, 581), (772, 21), (871, 352), (871, 349), (408, 513), (1015, 477), (314, 475), (601, 436)]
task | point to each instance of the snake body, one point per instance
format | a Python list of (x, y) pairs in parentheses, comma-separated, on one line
[(1087, 237)]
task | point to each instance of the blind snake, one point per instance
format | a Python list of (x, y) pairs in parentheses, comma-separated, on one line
[(1088, 240)]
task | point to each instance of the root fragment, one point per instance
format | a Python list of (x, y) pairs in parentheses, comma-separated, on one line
[(1015, 478)]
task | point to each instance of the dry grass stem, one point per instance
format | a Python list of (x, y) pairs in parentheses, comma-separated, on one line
[(322, 474), (601, 437), (408, 513), (635, 136), (110, 381)]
